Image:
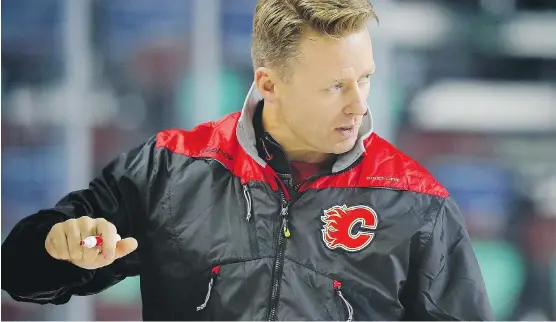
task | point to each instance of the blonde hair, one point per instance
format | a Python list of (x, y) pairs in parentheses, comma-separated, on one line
[(279, 25)]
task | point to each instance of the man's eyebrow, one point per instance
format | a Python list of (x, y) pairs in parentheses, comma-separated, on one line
[(370, 71)]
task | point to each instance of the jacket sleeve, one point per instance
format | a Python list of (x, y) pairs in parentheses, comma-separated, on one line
[(29, 274), (450, 282)]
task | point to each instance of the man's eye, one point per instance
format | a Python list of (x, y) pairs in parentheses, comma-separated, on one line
[(366, 77)]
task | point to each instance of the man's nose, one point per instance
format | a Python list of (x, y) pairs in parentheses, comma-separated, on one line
[(358, 103)]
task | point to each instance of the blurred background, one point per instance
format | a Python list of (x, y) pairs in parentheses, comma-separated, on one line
[(467, 88)]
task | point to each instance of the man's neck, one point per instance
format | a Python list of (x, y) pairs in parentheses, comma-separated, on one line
[(274, 125)]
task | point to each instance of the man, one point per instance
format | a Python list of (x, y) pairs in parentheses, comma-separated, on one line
[(292, 209)]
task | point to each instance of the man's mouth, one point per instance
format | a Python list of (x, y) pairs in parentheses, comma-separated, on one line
[(346, 131), (346, 128)]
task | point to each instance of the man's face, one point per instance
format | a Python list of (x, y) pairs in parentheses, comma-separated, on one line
[(324, 100)]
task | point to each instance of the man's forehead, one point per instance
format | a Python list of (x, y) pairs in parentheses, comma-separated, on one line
[(354, 44), (339, 57)]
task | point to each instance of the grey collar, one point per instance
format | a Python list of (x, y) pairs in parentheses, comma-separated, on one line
[(246, 133)]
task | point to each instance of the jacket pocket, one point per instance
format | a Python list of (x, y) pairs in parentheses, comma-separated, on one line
[(344, 303), (252, 229), (214, 275)]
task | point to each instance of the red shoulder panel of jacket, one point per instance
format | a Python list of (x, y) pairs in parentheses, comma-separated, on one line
[(383, 166), (217, 140)]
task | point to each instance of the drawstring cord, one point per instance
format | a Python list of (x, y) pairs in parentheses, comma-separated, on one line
[(249, 202), (214, 274), (338, 289), (268, 155)]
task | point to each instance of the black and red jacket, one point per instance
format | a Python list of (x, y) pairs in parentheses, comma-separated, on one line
[(223, 235)]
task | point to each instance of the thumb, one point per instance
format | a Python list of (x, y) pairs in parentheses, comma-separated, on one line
[(125, 247)]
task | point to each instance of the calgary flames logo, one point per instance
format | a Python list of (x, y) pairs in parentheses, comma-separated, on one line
[(348, 228)]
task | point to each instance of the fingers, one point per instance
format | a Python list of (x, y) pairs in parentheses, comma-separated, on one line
[(90, 255), (87, 227), (73, 238), (63, 242), (122, 249), (125, 247), (56, 243), (109, 238), (50, 248)]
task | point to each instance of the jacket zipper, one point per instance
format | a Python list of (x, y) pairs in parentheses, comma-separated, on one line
[(285, 233), (279, 262)]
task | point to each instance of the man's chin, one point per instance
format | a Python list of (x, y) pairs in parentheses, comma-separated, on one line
[(344, 147)]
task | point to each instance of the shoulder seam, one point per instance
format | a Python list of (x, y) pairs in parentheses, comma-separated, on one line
[(433, 226)]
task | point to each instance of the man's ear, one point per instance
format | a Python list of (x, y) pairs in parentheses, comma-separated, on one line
[(266, 80)]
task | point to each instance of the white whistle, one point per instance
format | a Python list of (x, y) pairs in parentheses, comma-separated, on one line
[(94, 241)]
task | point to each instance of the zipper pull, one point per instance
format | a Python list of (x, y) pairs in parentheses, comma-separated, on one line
[(284, 214), (287, 233), (284, 211)]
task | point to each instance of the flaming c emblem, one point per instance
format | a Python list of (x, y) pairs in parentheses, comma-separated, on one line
[(348, 228)]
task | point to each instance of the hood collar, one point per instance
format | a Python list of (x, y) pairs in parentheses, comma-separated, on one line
[(246, 133)]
